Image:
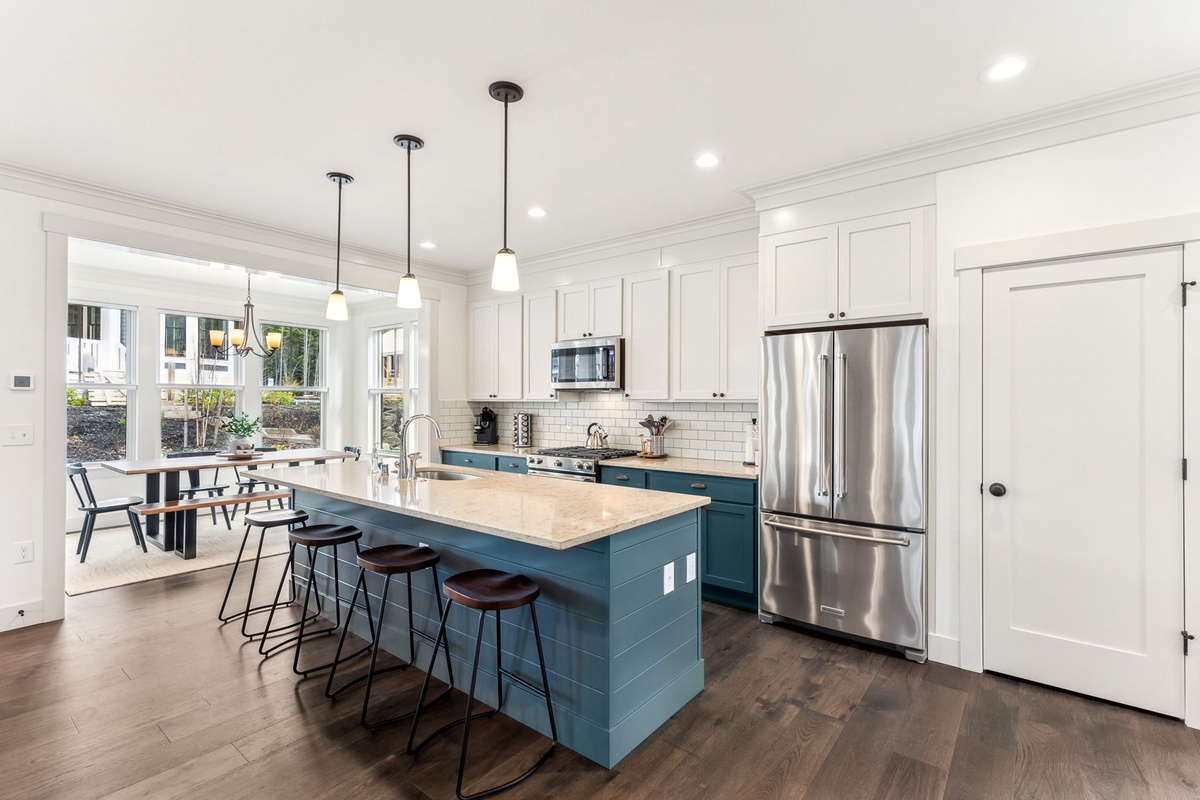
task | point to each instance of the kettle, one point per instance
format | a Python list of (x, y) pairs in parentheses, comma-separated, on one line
[(598, 438)]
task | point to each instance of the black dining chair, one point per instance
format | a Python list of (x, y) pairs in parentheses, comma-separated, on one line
[(92, 508), (194, 486), (352, 449)]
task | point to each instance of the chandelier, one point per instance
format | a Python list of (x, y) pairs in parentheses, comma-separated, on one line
[(244, 336)]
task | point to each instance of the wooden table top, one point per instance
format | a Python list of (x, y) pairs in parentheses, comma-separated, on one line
[(208, 462)]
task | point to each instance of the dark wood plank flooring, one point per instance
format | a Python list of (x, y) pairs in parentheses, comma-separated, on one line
[(141, 694)]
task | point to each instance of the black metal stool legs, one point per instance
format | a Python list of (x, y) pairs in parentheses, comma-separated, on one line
[(243, 615)]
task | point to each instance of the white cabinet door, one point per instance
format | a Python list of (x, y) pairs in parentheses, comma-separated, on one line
[(881, 265), (740, 332), (508, 349), (541, 326), (605, 300), (647, 347), (695, 332), (799, 275), (1083, 425), (481, 333), (574, 312)]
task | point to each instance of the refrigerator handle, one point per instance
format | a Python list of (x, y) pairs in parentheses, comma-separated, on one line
[(840, 387), (823, 422)]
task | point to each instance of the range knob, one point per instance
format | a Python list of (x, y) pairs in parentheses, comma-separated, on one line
[(557, 463), (587, 466)]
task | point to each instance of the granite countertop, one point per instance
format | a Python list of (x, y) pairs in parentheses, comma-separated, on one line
[(541, 511), (697, 466)]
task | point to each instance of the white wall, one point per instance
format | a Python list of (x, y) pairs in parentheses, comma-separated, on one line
[(36, 216), (1133, 175)]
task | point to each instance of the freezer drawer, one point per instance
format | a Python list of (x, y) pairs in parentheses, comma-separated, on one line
[(859, 581)]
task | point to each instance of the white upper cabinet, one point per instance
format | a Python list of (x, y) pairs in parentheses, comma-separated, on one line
[(647, 352), (866, 268), (494, 334), (590, 309), (715, 332), (541, 326)]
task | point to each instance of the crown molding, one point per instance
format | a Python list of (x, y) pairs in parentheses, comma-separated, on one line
[(24, 180), (1143, 104), (664, 236)]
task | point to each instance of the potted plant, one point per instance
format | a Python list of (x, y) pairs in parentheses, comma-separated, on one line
[(241, 427)]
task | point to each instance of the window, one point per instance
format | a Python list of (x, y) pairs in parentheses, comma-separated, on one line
[(198, 384), (100, 383), (392, 383), (293, 388)]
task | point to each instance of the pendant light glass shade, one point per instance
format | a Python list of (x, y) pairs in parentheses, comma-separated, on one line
[(504, 269), (336, 308), (504, 272), (409, 293)]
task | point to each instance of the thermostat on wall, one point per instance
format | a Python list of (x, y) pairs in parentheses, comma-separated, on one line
[(21, 383)]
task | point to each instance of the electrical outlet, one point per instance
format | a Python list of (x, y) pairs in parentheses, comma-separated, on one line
[(669, 578), (569, 423), (691, 567), (22, 552)]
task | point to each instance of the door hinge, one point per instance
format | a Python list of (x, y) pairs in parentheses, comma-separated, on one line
[(1187, 637), (1185, 469), (1184, 287)]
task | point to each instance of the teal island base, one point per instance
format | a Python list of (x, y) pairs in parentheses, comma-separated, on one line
[(622, 651)]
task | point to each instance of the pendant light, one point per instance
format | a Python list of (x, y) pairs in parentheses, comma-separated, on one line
[(336, 309), (504, 270), (408, 295)]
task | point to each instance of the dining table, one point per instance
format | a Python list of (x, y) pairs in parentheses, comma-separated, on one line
[(176, 532)]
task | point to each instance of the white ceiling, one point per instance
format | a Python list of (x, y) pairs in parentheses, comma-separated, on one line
[(240, 108)]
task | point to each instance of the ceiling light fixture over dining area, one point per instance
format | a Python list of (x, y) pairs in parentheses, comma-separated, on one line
[(244, 336), (336, 308)]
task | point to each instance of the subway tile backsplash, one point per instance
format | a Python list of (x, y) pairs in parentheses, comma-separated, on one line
[(701, 430)]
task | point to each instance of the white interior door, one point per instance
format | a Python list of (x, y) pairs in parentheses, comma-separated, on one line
[(1083, 424)]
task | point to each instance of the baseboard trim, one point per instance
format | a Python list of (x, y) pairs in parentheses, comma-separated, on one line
[(11, 617), (943, 649)]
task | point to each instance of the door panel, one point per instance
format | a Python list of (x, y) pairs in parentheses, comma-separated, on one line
[(1083, 585), (879, 426), (797, 424)]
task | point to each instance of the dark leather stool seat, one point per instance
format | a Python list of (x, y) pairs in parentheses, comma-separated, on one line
[(324, 535), (388, 560), (488, 590), (273, 519)]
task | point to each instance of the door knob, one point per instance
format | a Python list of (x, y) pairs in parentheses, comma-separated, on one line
[(998, 489)]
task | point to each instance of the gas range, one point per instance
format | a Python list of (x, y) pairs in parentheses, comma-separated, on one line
[(573, 463)]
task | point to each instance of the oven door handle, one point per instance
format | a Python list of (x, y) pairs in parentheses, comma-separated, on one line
[(562, 476), (902, 542)]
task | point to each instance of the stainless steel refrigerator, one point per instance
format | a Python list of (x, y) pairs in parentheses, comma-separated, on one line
[(842, 483)]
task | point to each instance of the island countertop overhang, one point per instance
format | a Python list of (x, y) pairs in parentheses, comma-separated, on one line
[(541, 511)]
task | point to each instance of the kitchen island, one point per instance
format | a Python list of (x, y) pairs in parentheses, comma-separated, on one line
[(622, 643)]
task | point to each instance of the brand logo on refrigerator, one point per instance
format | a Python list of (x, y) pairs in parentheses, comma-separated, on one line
[(837, 612)]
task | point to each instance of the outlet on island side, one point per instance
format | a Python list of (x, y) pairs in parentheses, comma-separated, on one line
[(22, 552)]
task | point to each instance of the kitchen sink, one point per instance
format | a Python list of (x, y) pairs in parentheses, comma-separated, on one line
[(444, 475)]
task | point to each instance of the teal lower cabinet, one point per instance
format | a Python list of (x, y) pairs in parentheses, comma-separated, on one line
[(474, 460), (517, 464), (728, 527)]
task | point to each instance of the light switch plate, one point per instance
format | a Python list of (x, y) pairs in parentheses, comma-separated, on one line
[(691, 567), (16, 435), (669, 578)]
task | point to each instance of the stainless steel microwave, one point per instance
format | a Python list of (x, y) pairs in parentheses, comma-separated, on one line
[(587, 364)]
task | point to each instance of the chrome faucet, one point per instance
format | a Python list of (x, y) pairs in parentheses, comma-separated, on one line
[(408, 463)]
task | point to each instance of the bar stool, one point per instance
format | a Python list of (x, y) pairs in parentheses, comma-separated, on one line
[(312, 538), (264, 520), (388, 560), (488, 590)]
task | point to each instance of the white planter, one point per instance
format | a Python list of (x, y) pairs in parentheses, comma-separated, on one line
[(241, 443)]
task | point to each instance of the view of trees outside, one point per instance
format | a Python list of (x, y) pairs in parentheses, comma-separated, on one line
[(388, 385), (206, 379), (99, 388), (291, 400)]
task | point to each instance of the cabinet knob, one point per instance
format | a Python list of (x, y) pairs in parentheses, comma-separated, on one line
[(831, 315), (722, 394), (627, 394), (714, 394), (842, 314)]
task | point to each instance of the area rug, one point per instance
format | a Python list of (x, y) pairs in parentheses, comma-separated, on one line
[(114, 560)]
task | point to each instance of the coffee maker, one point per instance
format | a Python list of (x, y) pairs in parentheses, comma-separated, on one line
[(485, 427)]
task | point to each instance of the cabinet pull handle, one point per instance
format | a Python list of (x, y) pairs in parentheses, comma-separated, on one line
[(468, 461), (622, 477), (512, 464), (699, 486)]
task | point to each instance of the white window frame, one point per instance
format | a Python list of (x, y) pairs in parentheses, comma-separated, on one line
[(376, 392), (322, 366), (237, 364), (130, 386)]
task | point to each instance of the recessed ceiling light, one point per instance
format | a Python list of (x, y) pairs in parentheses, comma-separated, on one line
[(537, 212), (429, 245), (1007, 68), (707, 160)]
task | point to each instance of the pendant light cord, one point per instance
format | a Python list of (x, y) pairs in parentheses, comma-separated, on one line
[(505, 174), (338, 258), (408, 161)]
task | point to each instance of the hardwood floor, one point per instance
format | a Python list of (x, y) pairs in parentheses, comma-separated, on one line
[(141, 694)]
